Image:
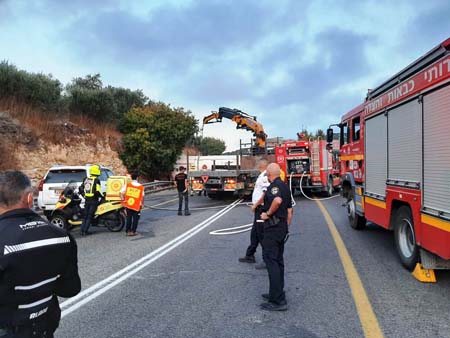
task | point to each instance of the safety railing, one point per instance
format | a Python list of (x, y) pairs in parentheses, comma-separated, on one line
[(153, 187)]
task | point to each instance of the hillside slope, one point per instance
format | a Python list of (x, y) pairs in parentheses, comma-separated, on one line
[(33, 142)]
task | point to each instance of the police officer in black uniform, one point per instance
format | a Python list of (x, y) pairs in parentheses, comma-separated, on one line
[(277, 217), (38, 263)]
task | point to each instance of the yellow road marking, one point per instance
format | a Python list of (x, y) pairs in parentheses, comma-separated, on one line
[(377, 203), (159, 204), (367, 317)]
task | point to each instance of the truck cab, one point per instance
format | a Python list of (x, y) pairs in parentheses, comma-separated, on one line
[(308, 165)]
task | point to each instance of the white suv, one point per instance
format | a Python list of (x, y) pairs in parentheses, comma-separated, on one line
[(56, 180)]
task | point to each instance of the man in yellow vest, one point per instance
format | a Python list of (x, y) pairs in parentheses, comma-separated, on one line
[(92, 192)]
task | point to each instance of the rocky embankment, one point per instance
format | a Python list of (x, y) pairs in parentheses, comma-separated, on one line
[(34, 150)]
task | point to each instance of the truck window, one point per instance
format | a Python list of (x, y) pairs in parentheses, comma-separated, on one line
[(356, 127), (345, 134)]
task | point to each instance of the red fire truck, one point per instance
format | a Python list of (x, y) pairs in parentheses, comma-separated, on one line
[(395, 160), (310, 164)]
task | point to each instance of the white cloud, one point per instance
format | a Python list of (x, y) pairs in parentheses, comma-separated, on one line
[(291, 64)]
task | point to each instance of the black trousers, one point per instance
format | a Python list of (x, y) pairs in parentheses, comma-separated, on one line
[(89, 208), (132, 220), (181, 196), (273, 243), (26, 333), (256, 234)]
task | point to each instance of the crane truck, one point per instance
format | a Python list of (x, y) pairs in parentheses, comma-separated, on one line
[(239, 177)]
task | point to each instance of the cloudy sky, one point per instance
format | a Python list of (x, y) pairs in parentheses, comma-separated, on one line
[(292, 63)]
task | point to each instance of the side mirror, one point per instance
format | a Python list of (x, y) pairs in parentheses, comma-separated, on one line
[(329, 135)]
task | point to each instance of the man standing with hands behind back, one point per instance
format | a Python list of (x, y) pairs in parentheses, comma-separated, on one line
[(181, 183), (256, 235)]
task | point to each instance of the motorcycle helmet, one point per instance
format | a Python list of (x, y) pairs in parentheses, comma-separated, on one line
[(95, 170)]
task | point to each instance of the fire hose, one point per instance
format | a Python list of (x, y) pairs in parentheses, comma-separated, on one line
[(246, 227), (313, 199)]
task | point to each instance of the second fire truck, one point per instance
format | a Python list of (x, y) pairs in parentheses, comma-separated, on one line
[(310, 164)]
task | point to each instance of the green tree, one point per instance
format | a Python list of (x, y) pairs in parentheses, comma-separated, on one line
[(98, 104), (154, 137), (320, 133), (93, 82), (209, 145), (86, 95), (37, 89), (125, 99)]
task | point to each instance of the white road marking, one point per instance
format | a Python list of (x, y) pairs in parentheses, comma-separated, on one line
[(101, 287)]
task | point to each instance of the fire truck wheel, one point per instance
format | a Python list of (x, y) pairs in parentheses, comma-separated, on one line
[(357, 222), (405, 239)]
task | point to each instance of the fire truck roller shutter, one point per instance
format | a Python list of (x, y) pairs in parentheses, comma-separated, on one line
[(376, 155), (405, 144), (436, 192)]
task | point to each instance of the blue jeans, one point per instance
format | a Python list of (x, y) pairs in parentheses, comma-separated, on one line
[(182, 195)]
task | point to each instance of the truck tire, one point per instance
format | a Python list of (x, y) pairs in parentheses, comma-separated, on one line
[(356, 221), (405, 238)]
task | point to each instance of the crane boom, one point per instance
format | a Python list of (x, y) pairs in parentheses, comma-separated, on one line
[(242, 120)]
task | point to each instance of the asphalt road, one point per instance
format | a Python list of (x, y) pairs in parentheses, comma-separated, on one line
[(199, 289)]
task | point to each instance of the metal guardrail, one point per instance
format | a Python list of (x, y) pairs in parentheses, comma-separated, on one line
[(149, 188), (153, 187)]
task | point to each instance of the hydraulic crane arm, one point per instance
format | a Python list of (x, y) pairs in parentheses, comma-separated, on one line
[(242, 120)]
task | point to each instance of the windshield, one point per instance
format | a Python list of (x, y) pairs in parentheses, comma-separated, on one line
[(65, 175), (70, 189)]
